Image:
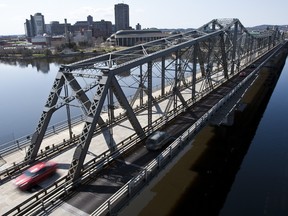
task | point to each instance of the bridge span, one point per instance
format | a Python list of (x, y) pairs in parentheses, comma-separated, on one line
[(176, 83)]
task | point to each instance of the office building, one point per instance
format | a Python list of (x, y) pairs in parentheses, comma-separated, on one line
[(121, 17), (35, 26), (90, 22), (134, 37), (102, 29), (138, 27), (56, 28)]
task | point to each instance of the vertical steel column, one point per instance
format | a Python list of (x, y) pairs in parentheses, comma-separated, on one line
[(141, 85), (149, 91), (194, 73), (68, 113), (224, 56), (200, 59), (110, 101), (176, 79), (163, 76), (234, 42), (251, 48)]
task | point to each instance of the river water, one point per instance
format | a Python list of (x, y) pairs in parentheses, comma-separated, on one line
[(261, 184)]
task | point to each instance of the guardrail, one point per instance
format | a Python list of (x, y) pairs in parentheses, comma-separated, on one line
[(135, 184), (125, 193), (46, 197), (155, 166), (49, 151), (22, 142)]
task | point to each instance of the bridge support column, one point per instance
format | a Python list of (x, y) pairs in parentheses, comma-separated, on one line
[(150, 98)]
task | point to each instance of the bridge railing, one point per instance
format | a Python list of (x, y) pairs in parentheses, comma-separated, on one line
[(23, 141), (133, 186), (49, 195)]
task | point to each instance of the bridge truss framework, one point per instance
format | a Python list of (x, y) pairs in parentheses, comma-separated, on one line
[(220, 48)]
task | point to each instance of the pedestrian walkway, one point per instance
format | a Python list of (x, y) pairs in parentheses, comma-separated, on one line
[(11, 197)]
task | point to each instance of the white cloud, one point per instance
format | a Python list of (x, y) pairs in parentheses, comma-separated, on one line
[(3, 5)]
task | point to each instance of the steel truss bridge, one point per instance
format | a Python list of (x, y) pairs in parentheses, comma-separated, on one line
[(197, 61), (218, 49)]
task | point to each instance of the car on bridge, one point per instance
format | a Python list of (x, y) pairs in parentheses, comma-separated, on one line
[(242, 74), (35, 174), (157, 140)]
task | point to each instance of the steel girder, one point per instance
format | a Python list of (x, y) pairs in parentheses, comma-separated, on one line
[(49, 108), (88, 129), (209, 54)]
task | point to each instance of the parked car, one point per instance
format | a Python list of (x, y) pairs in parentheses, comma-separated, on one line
[(35, 174), (157, 140)]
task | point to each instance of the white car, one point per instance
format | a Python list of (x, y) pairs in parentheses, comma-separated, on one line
[(157, 140)]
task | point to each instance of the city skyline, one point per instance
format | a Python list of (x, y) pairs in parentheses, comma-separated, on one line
[(149, 13)]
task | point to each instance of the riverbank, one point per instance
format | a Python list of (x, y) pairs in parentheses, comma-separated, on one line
[(199, 182), (60, 55)]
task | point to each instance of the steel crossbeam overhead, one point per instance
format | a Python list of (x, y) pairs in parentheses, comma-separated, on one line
[(208, 55)]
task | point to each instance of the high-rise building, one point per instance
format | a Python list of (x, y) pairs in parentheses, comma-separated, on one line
[(28, 28), (121, 16), (35, 26), (90, 21), (39, 23)]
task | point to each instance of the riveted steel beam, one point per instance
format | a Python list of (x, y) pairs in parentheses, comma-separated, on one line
[(93, 115)]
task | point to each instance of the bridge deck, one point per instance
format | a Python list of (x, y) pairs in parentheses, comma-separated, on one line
[(11, 197), (123, 169), (161, 196)]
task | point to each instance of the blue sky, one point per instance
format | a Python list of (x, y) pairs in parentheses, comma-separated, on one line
[(149, 13)]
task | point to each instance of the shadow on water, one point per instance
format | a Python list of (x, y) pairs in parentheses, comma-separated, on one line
[(218, 165)]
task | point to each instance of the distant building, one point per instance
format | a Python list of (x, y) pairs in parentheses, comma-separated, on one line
[(134, 37), (102, 29), (138, 27), (83, 36), (90, 21), (56, 28), (28, 28), (39, 24), (35, 26), (81, 31), (80, 26), (121, 17), (57, 41), (41, 41)]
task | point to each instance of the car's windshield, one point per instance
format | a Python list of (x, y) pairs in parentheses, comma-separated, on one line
[(151, 142)]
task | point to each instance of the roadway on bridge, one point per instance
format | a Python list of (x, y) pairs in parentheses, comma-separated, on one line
[(109, 181)]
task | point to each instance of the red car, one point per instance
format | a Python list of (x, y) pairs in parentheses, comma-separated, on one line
[(35, 174)]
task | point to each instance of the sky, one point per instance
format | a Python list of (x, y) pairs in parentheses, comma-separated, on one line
[(149, 13)]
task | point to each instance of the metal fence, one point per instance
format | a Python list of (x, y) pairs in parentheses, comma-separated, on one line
[(21, 142), (155, 166)]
